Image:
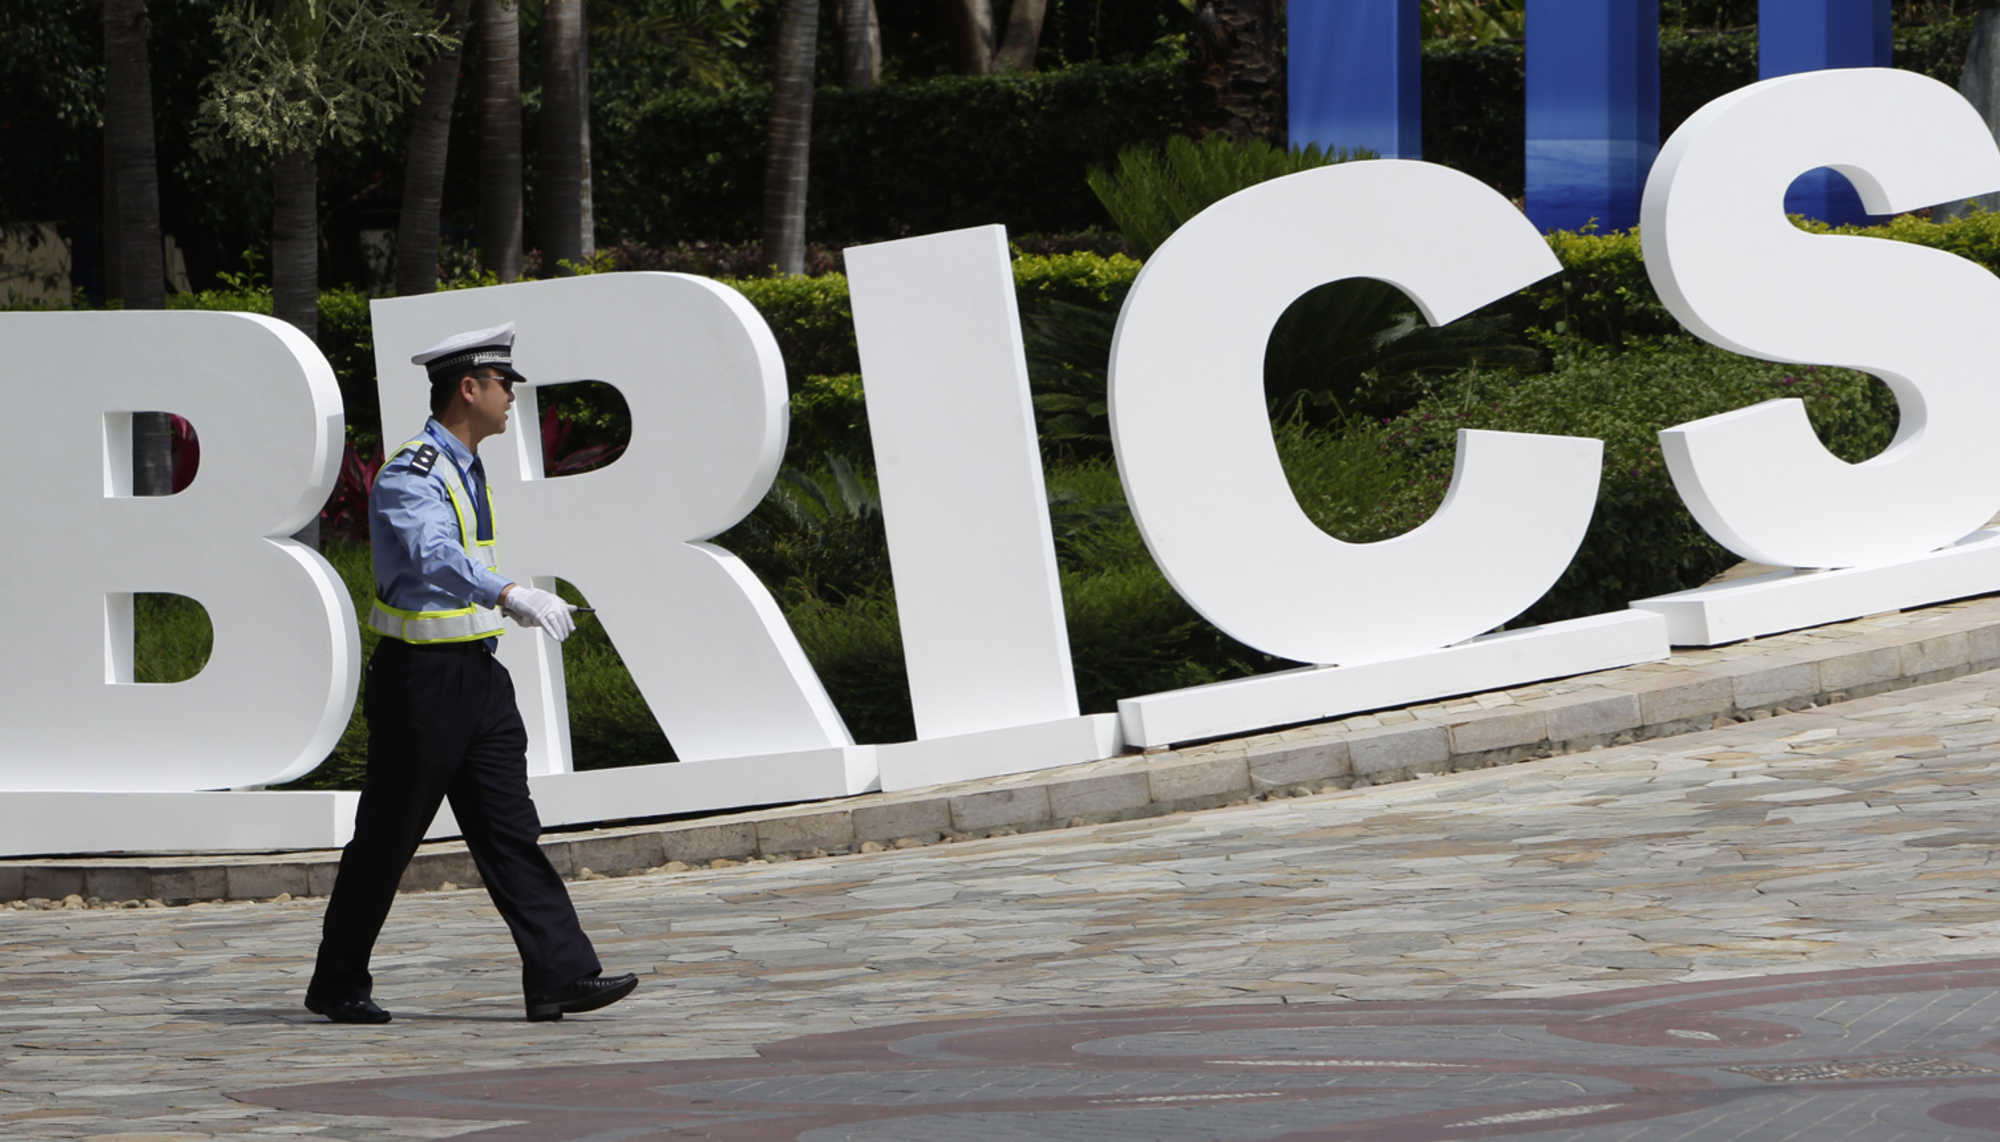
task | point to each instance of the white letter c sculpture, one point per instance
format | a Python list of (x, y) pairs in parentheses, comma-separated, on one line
[(1193, 434)]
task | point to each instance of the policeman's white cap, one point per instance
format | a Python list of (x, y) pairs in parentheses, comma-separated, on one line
[(479, 349)]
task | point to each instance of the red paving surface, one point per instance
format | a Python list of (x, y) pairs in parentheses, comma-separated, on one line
[(1882, 1053)]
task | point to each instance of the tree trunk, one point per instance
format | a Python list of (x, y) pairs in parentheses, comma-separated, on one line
[(972, 36), (128, 132), (109, 180), (860, 45), (1979, 82), (418, 222), (562, 112), (585, 210), (974, 45), (295, 241), (785, 167), (1241, 80), (500, 138), (133, 243), (295, 258), (1024, 34)]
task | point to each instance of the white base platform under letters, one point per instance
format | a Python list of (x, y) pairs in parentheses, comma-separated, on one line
[(43, 823), (1793, 600), (37, 823), (990, 753), (1311, 693)]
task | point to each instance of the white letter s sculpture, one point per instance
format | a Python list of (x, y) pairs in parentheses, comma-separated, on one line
[(1733, 270)]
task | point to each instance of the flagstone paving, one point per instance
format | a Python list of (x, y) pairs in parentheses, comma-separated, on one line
[(1603, 945)]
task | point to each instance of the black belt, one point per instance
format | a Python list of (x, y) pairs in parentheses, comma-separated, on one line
[(474, 646)]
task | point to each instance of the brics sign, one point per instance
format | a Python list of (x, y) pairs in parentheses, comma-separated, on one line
[(90, 761)]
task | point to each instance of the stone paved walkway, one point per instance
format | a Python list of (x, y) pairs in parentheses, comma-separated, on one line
[(1857, 837)]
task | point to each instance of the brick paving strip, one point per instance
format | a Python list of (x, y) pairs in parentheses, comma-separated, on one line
[(1694, 690)]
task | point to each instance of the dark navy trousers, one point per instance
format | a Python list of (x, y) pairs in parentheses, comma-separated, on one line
[(442, 724)]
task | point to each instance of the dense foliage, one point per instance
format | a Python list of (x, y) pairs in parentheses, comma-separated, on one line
[(916, 158), (1642, 540), (678, 160)]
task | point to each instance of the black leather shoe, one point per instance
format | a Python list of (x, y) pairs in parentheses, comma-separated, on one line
[(347, 1010), (587, 994)]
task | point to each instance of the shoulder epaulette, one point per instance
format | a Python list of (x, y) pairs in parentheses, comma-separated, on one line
[(421, 462)]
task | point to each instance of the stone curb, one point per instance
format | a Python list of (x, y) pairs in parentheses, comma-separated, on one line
[(1695, 689)]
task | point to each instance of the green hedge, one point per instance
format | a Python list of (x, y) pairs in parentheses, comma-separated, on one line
[(903, 159), (1604, 296), (814, 324), (957, 151), (1131, 634), (810, 317), (1642, 541), (1474, 118)]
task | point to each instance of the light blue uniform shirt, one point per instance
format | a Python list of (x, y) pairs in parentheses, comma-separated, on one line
[(413, 531)]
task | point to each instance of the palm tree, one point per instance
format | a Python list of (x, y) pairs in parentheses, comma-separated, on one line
[(418, 221), (976, 50), (1240, 76), (500, 137), (586, 212), (785, 166), (133, 242), (295, 240), (564, 116), (295, 189), (860, 45), (314, 72), (288, 83)]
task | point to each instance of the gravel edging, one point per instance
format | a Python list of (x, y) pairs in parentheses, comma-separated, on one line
[(1695, 689)]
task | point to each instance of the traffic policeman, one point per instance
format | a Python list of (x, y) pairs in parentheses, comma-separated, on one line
[(442, 722)]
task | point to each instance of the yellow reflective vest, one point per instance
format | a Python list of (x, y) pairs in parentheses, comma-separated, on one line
[(461, 624)]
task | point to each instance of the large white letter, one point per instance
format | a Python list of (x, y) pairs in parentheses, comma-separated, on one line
[(977, 593), (1200, 467), (1735, 272), (699, 370), (281, 676), (961, 477)]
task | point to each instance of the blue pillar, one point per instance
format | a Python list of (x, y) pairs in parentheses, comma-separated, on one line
[(1593, 94), (1353, 73), (1808, 35)]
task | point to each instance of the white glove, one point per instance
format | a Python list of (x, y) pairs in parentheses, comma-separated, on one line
[(534, 607)]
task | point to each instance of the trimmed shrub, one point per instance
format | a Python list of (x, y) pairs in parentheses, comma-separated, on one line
[(829, 415), (1604, 296), (811, 319), (1152, 190), (1642, 541), (902, 159)]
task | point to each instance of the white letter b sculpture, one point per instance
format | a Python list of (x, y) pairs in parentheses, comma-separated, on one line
[(283, 668)]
